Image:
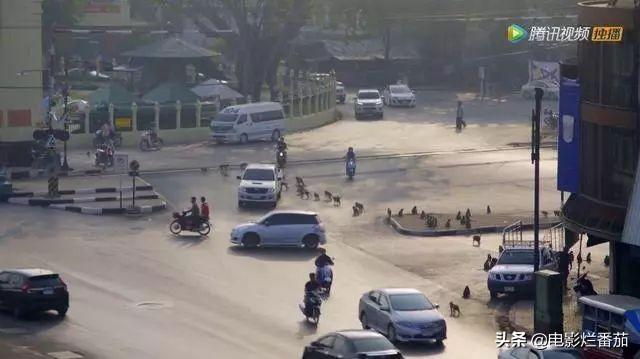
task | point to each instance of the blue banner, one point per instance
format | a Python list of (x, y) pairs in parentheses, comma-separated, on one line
[(569, 136)]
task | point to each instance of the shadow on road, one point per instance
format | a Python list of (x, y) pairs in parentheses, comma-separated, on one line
[(420, 348), (306, 329), (32, 323), (274, 254), (188, 240)]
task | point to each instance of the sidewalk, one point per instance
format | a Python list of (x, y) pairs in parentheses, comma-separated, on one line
[(413, 225)]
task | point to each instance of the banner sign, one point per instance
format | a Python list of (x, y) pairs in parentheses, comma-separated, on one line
[(569, 136), (103, 6), (547, 71)]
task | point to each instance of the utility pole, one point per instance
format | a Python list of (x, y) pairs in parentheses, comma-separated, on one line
[(535, 159)]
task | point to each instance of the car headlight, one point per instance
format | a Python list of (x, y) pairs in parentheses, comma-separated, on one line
[(495, 276), (271, 190), (243, 190)]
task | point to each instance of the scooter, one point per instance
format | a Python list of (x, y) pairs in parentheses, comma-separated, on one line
[(584, 286), (104, 156), (281, 158), (351, 168), (311, 307), (325, 277), (182, 223), (114, 139), (149, 140)]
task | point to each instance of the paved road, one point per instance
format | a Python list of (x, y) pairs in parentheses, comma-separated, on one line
[(138, 292)]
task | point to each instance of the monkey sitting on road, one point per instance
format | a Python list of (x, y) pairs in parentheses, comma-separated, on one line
[(414, 210), (487, 263), (360, 207), (336, 200), (316, 196), (466, 293), (328, 196)]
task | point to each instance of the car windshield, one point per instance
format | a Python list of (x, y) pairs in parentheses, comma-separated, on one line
[(372, 345), (258, 175), (410, 302), (368, 95), (516, 257), (45, 281), (399, 89), (226, 117)]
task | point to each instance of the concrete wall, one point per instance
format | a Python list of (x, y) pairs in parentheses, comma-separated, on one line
[(190, 135), (20, 50)]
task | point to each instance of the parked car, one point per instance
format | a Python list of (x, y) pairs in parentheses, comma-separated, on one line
[(352, 344), (368, 103), (260, 183), (25, 291), (402, 314), (551, 89), (244, 123), (341, 94), (550, 353), (513, 273), (281, 229), (399, 95)]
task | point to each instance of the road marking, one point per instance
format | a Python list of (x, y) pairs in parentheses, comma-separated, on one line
[(65, 355)]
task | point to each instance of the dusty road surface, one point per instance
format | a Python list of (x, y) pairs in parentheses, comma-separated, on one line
[(139, 292)]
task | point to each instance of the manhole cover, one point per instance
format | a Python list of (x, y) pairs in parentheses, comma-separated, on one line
[(13, 330), (65, 355), (152, 305)]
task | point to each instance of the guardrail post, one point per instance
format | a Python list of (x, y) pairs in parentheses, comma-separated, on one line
[(156, 117), (111, 114), (134, 117), (178, 114), (198, 113), (87, 119)]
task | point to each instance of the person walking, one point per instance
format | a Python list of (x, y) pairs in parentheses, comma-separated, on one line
[(459, 117), (563, 266)]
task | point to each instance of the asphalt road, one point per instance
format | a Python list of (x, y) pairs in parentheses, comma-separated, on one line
[(139, 292)]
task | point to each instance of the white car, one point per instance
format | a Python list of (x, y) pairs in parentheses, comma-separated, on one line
[(259, 183), (281, 229), (368, 103), (513, 273), (399, 95), (551, 89)]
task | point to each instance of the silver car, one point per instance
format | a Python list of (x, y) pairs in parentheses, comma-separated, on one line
[(403, 315), (281, 229)]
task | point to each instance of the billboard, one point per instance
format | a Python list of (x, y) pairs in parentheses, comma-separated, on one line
[(543, 70), (103, 6)]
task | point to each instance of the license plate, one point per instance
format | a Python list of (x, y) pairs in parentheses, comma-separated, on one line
[(509, 289), (47, 291)]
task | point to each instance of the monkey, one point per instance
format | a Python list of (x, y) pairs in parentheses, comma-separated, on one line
[(299, 181), (458, 216), (487, 263), (468, 213), (285, 186), (414, 210), (316, 196), (224, 170), (606, 261), (545, 214), (306, 194), (588, 259), (579, 258), (204, 169), (336, 201), (356, 212), (388, 213), (500, 249), (476, 239), (448, 224), (466, 293), (401, 212), (423, 215), (454, 310), (488, 209), (494, 261), (328, 196), (557, 213), (360, 207)]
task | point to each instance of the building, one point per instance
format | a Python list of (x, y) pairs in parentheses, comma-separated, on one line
[(21, 63), (598, 144)]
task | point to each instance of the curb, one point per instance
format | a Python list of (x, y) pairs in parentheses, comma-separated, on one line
[(79, 191), (38, 173), (460, 232), (43, 202), (112, 210)]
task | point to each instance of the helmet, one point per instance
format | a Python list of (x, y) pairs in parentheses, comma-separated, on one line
[(350, 149), (281, 139)]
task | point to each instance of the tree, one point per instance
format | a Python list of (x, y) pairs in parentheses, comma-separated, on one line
[(261, 33), (59, 13)]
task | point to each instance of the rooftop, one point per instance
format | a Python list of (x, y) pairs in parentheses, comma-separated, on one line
[(400, 291), (358, 333), (30, 272)]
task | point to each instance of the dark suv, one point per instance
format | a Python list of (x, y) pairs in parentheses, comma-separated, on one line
[(24, 291)]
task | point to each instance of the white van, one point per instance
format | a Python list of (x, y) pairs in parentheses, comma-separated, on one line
[(243, 123)]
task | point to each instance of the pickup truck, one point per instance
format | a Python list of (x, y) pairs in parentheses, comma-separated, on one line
[(513, 273)]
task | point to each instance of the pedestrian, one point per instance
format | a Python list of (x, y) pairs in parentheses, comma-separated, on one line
[(460, 123), (563, 266), (204, 209), (571, 259)]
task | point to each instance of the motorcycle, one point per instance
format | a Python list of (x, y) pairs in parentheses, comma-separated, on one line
[(550, 118), (325, 277), (149, 140), (311, 307), (115, 139), (351, 168), (104, 156), (281, 158), (183, 223)]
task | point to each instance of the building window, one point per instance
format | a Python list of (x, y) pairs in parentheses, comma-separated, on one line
[(617, 87), (19, 118), (589, 68), (618, 165)]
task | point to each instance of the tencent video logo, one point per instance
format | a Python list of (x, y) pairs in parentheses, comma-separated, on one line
[(516, 33)]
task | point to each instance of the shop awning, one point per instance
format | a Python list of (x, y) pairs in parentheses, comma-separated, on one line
[(585, 215)]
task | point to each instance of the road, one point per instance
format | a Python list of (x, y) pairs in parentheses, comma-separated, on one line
[(139, 292)]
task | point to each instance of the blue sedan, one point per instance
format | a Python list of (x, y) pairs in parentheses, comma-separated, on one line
[(403, 315)]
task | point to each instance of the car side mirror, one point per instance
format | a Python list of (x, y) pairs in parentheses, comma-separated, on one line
[(314, 344), (238, 177), (385, 309)]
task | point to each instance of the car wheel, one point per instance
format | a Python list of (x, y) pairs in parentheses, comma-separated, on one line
[(391, 334), (363, 320), (19, 312), (250, 240), (244, 138), (62, 311), (310, 241), (275, 135)]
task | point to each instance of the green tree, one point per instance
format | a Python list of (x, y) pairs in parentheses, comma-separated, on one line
[(260, 36), (64, 13)]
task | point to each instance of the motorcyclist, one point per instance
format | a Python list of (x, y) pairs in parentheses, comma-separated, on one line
[(281, 145), (311, 289), (323, 259), (350, 155), (192, 215)]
